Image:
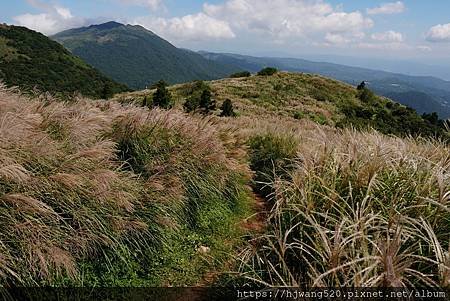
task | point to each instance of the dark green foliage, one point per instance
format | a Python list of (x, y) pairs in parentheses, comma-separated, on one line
[(162, 97), (44, 64), (271, 155), (198, 97), (107, 91), (298, 115), (192, 104), (137, 57), (207, 103), (227, 109), (432, 118), (361, 86), (391, 118), (240, 74), (199, 85), (268, 71), (365, 95)]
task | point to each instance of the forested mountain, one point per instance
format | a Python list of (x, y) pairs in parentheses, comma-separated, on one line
[(137, 57), (31, 60)]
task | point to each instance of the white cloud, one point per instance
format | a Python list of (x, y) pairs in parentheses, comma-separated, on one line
[(288, 18), (54, 19), (41, 22), (276, 21), (387, 9), (336, 39), (152, 4), (64, 12), (190, 27), (439, 33), (388, 36)]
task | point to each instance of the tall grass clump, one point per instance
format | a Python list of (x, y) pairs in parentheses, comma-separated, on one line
[(94, 193), (356, 209), (270, 155)]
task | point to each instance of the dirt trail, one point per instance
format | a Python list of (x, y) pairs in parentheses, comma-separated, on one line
[(256, 223)]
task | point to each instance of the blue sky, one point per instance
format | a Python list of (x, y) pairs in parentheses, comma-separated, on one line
[(411, 29)]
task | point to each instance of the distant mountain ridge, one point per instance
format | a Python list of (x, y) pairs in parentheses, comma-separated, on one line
[(31, 60), (135, 56), (425, 94)]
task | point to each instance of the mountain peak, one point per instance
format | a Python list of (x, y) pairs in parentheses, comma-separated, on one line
[(107, 25)]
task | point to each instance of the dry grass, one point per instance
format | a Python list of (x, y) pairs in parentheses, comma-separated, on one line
[(283, 94), (347, 208), (68, 191), (356, 209)]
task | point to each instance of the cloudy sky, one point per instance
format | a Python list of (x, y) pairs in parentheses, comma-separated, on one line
[(409, 29)]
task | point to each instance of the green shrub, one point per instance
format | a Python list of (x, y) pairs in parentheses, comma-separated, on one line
[(199, 97), (162, 97), (321, 95), (366, 95), (270, 155), (207, 103), (196, 87), (268, 71), (298, 115), (191, 104), (319, 118), (240, 74), (227, 109)]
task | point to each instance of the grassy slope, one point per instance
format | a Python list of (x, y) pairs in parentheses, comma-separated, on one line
[(31, 60), (346, 207), (177, 182), (305, 96), (94, 193)]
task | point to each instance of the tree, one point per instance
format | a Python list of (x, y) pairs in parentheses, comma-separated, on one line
[(207, 104), (268, 71), (361, 86), (162, 97), (227, 109)]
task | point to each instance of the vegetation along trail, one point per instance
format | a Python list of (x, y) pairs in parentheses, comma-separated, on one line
[(279, 179)]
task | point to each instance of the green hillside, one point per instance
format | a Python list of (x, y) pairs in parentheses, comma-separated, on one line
[(424, 94), (31, 60), (137, 57), (295, 96), (295, 189)]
